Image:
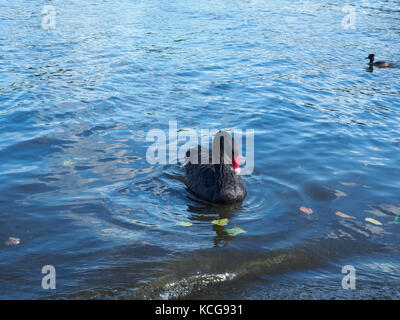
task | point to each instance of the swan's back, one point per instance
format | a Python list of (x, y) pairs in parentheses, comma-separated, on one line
[(216, 183)]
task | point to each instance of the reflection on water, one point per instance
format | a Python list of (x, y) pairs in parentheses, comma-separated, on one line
[(77, 102)]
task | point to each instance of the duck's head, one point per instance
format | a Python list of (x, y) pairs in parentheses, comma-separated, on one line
[(371, 57)]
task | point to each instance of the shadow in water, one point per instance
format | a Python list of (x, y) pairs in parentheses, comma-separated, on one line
[(187, 277)]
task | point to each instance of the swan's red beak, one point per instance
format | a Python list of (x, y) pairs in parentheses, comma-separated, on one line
[(235, 164)]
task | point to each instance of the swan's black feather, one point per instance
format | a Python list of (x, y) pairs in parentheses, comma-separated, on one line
[(216, 183)]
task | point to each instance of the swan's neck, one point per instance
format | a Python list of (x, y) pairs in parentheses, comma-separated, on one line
[(223, 170)]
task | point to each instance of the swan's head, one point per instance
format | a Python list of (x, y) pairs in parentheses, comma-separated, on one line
[(228, 147)]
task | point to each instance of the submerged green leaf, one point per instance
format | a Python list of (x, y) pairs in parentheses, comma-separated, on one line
[(184, 224), (220, 222), (234, 231), (397, 219), (68, 163)]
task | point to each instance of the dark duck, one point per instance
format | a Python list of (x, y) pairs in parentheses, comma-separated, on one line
[(379, 64), (213, 175)]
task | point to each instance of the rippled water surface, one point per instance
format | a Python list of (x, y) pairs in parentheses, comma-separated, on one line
[(77, 101)]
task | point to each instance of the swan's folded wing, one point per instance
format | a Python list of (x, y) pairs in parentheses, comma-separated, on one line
[(201, 179)]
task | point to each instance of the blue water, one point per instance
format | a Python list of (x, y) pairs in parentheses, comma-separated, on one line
[(77, 101)]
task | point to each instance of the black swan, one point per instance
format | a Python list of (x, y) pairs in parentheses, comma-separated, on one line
[(379, 64), (216, 181)]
